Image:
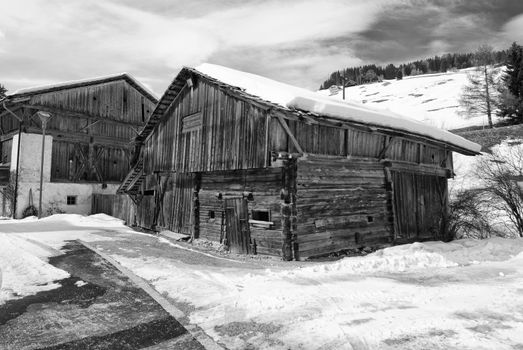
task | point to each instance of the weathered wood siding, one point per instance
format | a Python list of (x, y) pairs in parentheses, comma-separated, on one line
[(348, 141), (341, 203), (83, 162), (116, 100), (265, 185), (420, 204), (125, 209), (205, 129), (102, 203), (5, 151)]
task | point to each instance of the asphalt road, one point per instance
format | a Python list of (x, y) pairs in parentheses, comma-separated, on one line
[(97, 307)]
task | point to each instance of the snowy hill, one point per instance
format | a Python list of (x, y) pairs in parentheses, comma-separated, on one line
[(430, 98)]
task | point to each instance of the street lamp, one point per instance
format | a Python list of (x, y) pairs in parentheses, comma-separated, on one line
[(44, 117)]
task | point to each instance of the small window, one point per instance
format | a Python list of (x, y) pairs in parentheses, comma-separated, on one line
[(370, 219), (261, 215), (212, 214), (71, 200)]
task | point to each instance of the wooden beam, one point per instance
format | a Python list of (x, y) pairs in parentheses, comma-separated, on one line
[(68, 113), (388, 142), (289, 133), (71, 136), (396, 165)]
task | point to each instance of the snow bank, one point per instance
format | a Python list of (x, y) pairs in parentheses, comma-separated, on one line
[(293, 97), (418, 256), (25, 269)]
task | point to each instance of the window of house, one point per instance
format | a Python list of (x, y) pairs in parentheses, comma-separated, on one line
[(212, 214), (261, 215), (71, 200)]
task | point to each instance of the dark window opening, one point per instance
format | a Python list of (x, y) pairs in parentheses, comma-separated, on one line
[(370, 219), (148, 193), (71, 200), (261, 215), (212, 214), (143, 110)]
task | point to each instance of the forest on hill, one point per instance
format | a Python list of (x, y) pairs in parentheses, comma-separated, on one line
[(437, 64)]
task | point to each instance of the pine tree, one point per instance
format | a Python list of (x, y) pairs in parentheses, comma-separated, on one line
[(479, 95), (511, 104), (3, 90)]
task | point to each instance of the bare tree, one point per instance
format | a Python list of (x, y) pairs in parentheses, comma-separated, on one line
[(479, 95), (501, 173)]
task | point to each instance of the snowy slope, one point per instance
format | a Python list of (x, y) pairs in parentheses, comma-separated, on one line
[(430, 98), (293, 97)]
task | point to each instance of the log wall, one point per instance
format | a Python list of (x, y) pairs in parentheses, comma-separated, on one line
[(265, 186), (341, 203)]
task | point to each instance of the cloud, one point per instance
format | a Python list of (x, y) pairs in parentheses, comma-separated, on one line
[(296, 41), (513, 29), (71, 40)]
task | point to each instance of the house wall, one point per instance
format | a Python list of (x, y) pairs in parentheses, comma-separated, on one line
[(341, 203), (54, 193), (265, 186), (220, 133)]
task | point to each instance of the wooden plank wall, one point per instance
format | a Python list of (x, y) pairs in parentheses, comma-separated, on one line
[(115, 100), (265, 185), (102, 203), (176, 209), (232, 134), (341, 203), (125, 209), (5, 151), (68, 158), (420, 203), (346, 141)]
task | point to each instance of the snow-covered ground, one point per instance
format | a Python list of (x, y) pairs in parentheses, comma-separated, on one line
[(430, 98), (461, 295)]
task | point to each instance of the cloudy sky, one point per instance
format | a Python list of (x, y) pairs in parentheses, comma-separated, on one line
[(295, 41)]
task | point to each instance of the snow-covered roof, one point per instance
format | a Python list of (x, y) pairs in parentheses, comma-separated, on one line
[(83, 82), (292, 97)]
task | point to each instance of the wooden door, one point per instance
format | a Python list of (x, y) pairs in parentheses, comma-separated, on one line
[(420, 203), (238, 235)]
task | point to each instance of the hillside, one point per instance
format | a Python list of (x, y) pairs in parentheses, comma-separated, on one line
[(431, 98)]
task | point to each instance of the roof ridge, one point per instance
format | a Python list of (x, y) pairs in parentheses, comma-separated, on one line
[(83, 82)]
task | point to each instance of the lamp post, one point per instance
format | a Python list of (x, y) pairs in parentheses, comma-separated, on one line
[(44, 117)]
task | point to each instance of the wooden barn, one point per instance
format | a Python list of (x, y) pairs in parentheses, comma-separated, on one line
[(88, 142), (268, 168)]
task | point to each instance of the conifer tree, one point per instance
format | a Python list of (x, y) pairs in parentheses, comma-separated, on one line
[(511, 104), (3, 90), (479, 95)]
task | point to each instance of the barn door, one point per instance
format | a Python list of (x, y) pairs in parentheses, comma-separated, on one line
[(238, 235), (420, 203)]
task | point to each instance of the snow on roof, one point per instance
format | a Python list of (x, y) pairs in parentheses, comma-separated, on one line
[(86, 81), (293, 97)]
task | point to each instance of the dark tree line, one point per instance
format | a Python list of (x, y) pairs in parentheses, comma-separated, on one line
[(510, 104), (437, 64), (3, 90)]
